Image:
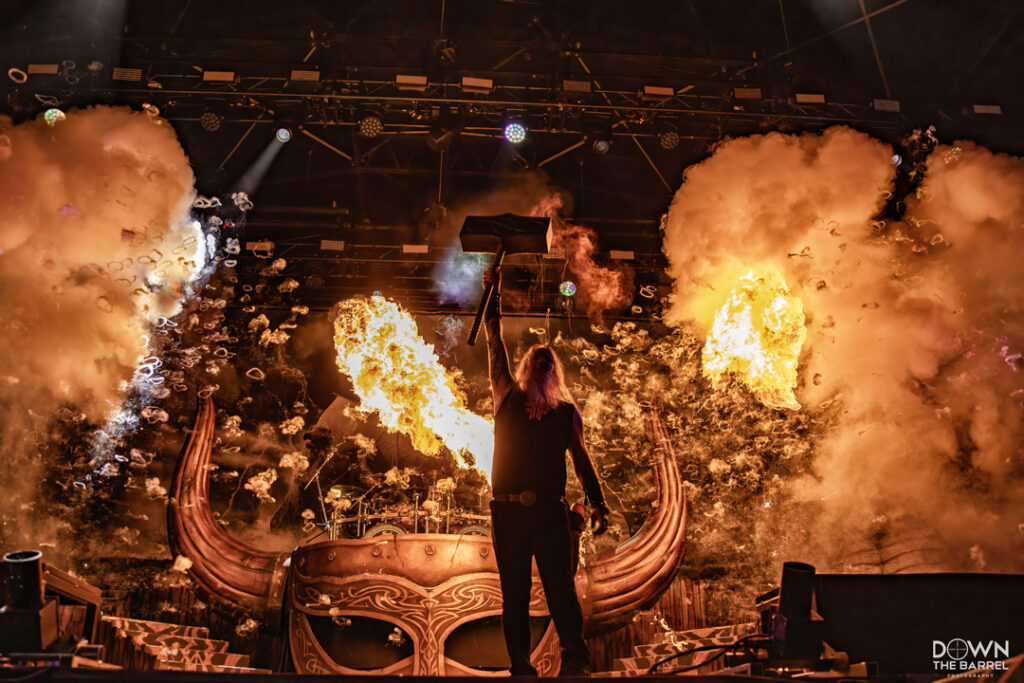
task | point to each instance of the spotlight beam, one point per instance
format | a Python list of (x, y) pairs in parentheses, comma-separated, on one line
[(326, 144), (253, 176)]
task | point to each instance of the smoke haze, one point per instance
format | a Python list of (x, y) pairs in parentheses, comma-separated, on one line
[(914, 336), (97, 245)]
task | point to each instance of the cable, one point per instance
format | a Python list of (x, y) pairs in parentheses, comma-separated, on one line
[(651, 671), (704, 648)]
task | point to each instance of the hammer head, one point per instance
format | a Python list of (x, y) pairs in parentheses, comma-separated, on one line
[(519, 234)]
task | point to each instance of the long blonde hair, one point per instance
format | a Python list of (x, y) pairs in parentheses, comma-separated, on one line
[(548, 390)]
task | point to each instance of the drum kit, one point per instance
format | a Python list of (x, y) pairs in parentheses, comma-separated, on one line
[(433, 513)]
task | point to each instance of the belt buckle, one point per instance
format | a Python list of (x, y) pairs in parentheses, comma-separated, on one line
[(527, 498)]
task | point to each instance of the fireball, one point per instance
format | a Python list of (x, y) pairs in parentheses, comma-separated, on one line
[(757, 335), (398, 375)]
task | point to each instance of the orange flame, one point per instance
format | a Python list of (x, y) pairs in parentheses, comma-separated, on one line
[(757, 334), (398, 375)]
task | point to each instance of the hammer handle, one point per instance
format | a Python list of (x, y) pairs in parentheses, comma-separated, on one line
[(486, 300)]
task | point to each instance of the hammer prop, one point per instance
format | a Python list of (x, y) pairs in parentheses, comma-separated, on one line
[(500, 235)]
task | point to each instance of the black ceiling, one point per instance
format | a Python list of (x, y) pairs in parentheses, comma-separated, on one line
[(937, 58)]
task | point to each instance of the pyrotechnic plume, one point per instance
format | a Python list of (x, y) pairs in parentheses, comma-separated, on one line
[(912, 355), (398, 375), (96, 245), (757, 335)]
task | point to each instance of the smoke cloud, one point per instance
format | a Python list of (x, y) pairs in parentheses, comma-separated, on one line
[(602, 289), (912, 358), (96, 245)]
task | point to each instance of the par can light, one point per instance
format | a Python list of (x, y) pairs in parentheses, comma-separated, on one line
[(515, 132)]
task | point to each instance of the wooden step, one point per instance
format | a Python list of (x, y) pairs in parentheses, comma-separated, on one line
[(685, 640), (169, 642), (214, 668), (195, 657), (134, 626), (648, 655), (141, 644)]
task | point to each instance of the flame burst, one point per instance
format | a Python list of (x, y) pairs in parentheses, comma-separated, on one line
[(398, 375), (757, 334)]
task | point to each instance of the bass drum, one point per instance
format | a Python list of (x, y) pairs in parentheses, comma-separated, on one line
[(384, 529), (475, 530)]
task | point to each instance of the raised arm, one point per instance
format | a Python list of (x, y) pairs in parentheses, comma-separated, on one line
[(587, 475), (497, 355)]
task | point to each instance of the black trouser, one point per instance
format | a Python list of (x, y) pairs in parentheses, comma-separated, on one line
[(521, 533)]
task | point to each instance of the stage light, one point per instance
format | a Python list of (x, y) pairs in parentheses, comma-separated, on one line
[(332, 245), (886, 105), (210, 120), (567, 288), (370, 125), (407, 82), (746, 93), (219, 76), (515, 132), (656, 92), (576, 87), (260, 248), (126, 73), (978, 108), (44, 69), (669, 139), (53, 116), (479, 86), (306, 75), (283, 135), (445, 128), (602, 143), (809, 98), (598, 127)]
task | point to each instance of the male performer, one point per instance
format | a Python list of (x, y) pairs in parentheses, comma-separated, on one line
[(535, 422)]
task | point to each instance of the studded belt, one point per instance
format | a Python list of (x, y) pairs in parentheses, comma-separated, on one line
[(526, 498)]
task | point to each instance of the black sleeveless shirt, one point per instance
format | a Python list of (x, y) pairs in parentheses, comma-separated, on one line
[(529, 453)]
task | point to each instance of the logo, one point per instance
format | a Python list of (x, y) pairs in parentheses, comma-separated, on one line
[(960, 655)]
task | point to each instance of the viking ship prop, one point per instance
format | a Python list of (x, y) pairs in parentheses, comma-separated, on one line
[(425, 604)]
